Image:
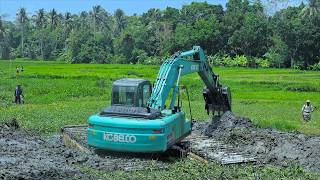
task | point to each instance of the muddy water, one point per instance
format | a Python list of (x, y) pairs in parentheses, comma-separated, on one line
[(234, 139)]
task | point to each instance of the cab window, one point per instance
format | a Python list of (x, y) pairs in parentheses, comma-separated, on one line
[(146, 92), (123, 95)]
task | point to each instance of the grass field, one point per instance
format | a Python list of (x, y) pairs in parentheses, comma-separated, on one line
[(58, 94)]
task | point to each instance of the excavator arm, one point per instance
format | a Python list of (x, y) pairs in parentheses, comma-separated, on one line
[(217, 98)]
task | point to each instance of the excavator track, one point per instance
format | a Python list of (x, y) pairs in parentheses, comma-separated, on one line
[(75, 136), (197, 146)]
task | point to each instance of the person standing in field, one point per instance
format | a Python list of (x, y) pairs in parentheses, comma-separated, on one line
[(17, 70), (18, 94), (306, 111)]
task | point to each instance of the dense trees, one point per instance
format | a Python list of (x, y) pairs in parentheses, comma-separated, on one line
[(242, 34)]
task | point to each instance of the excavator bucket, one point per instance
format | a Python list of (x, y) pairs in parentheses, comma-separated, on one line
[(217, 101)]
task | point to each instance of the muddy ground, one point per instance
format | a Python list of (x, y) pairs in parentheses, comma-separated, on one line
[(232, 139), (228, 140), (26, 155)]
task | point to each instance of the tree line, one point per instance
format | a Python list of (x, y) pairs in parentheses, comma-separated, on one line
[(241, 34)]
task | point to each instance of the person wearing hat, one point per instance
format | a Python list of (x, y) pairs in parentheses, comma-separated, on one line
[(306, 111), (18, 95)]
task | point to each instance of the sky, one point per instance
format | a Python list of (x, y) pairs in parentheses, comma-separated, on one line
[(8, 8)]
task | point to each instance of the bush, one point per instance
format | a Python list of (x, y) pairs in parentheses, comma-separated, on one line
[(316, 67), (65, 56), (138, 56), (116, 59), (263, 63), (215, 60), (227, 61), (240, 61), (152, 61)]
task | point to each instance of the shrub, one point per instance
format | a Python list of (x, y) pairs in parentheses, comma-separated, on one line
[(65, 56), (316, 67), (116, 59), (227, 61), (215, 60), (138, 56), (263, 63), (240, 61), (152, 61)]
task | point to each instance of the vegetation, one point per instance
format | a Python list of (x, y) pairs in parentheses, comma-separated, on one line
[(242, 34), (58, 94), (191, 169)]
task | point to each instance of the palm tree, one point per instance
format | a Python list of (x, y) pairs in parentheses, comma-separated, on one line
[(68, 20), (68, 23), (2, 33), (95, 15), (84, 19), (120, 20), (40, 21), (54, 18), (1, 30), (40, 18), (22, 19), (311, 9)]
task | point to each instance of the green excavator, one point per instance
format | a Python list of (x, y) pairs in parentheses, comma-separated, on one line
[(138, 120)]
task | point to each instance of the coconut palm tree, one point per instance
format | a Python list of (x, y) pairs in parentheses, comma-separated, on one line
[(68, 21), (1, 30), (2, 33), (311, 9), (40, 21), (100, 18), (22, 19), (54, 18), (67, 26), (120, 20)]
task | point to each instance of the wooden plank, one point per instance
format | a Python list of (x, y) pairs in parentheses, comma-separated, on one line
[(72, 143), (198, 158)]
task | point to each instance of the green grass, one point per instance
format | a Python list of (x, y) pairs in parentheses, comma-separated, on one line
[(190, 169), (58, 94)]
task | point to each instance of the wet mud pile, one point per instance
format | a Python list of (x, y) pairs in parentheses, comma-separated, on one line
[(232, 139)]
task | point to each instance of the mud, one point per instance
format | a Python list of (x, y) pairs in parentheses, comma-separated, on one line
[(232, 139), (26, 155)]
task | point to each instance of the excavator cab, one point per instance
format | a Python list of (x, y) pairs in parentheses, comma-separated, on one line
[(131, 92)]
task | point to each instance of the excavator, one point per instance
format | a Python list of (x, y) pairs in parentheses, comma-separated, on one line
[(138, 119)]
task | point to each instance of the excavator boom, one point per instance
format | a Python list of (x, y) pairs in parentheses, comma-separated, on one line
[(217, 98)]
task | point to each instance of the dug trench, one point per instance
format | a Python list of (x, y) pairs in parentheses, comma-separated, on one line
[(228, 139)]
